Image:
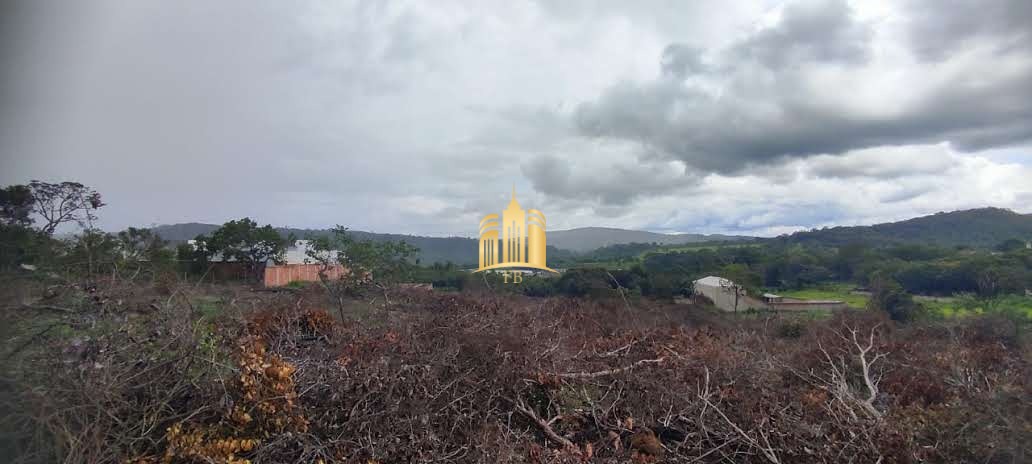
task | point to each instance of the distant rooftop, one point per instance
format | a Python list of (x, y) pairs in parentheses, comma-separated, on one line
[(713, 281)]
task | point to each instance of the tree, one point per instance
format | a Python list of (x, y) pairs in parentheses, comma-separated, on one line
[(887, 295), (366, 263), (64, 202), (16, 205), (140, 244), (243, 241), (142, 249), (24, 245), (192, 259), (848, 258), (1010, 245), (738, 280), (93, 247), (584, 281), (19, 243)]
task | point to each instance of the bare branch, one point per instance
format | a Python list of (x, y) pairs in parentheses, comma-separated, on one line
[(767, 451), (591, 375), (543, 424)]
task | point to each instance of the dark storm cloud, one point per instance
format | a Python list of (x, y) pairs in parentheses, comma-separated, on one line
[(243, 103), (767, 110), (420, 116), (942, 27), (823, 31), (614, 186)]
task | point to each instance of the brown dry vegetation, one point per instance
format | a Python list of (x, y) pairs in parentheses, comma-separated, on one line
[(151, 373)]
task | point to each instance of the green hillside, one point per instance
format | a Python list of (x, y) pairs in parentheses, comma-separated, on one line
[(981, 228)]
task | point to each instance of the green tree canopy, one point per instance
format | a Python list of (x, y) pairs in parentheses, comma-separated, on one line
[(1010, 245), (16, 205), (887, 295), (140, 244), (243, 241), (366, 263)]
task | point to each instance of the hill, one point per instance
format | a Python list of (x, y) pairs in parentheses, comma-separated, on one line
[(980, 228), (462, 250), (585, 239)]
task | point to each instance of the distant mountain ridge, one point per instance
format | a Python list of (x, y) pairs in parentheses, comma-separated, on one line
[(585, 239), (984, 227), (981, 228), (462, 250)]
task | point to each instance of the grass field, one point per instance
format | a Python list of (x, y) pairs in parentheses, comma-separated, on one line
[(840, 291), (1013, 306)]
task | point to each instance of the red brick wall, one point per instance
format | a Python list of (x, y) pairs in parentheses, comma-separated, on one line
[(278, 276)]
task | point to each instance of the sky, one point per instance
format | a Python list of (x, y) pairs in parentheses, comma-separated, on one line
[(709, 116)]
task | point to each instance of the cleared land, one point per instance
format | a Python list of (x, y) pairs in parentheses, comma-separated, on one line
[(179, 372)]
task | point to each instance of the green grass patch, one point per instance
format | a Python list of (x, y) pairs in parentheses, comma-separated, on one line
[(840, 291), (1016, 307), (208, 307)]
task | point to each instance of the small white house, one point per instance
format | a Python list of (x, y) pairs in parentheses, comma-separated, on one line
[(719, 290)]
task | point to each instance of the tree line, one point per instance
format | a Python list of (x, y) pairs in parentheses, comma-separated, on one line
[(31, 214)]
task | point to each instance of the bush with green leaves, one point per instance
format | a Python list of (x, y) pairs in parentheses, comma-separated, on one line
[(887, 295), (367, 264)]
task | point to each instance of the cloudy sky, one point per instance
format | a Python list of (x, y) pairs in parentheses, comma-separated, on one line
[(418, 117)]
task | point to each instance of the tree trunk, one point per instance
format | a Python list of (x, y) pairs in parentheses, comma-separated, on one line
[(386, 301)]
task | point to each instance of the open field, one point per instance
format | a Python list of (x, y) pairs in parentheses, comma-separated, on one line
[(1014, 306), (180, 372), (841, 291)]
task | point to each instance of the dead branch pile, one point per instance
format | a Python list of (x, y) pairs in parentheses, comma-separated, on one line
[(482, 378)]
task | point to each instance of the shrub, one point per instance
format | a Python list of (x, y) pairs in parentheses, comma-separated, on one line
[(887, 295), (791, 329)]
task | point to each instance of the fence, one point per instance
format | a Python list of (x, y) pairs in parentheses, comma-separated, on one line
[(280, 275)]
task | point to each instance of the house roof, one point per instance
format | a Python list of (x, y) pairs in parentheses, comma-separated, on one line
[(712, 281)]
